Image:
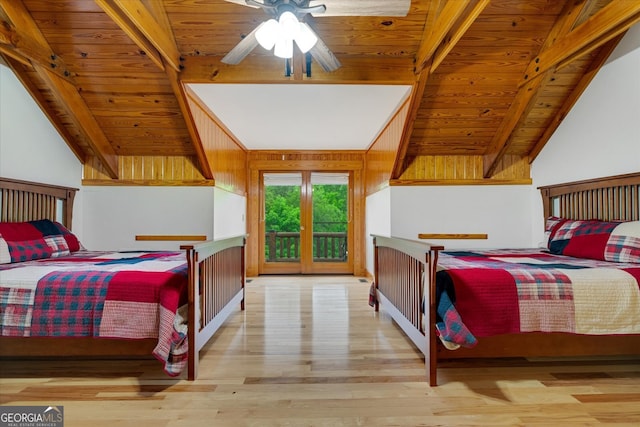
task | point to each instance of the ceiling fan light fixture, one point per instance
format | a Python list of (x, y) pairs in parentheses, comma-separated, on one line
[(289, 24), (268, 34), (280, 34), (306, 38), (284, 48)]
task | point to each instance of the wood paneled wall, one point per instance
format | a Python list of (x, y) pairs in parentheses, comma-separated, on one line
[(226, 155), (463, 170), (382, 154), (146, 170)]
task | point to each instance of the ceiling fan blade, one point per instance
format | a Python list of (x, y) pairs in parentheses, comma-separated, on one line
[(242, 49), (265, 5), (241, 2), (324, 57), (353, 8), (363, 7)]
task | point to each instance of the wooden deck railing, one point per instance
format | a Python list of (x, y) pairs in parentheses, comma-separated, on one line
[(284, 246)]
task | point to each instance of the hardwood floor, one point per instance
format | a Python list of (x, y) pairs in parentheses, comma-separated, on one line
[(309, 351)]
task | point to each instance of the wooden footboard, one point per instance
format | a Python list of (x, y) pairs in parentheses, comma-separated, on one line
[(403, 271), (216, 287)]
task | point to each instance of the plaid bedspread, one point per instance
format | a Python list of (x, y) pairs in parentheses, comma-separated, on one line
[(492, 292), (130, 295)]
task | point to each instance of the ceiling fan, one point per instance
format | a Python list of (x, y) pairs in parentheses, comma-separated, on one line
[(287, 25)]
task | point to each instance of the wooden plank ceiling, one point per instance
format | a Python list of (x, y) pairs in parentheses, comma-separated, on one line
[(490, 78)]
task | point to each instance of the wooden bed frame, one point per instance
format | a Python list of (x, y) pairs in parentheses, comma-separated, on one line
[(216, 275), (402, 266)]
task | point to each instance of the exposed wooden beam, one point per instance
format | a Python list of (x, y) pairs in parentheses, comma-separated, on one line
[(428, 41), (22, 40), (265, 69), (159, 13), (417, 92), (520, 107), (526, 96), (143, 20), (595, 66), (447, 19), (612, 20), (414, 106), (55, 120), (121, 19), (7, 47), (178, 89), (12, 53), (69, 97), (457, 32), (5, 33)]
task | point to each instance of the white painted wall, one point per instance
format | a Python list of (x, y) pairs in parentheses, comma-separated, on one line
[(229, 214), (377, 221), (502, 212), (115, 215), (30, 147), (601, 134)]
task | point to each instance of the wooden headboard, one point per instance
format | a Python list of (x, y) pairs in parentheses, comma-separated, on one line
[(610, 198), (28, 201)]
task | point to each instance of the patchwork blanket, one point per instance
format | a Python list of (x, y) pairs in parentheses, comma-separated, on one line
[(130, 295), (492, 292)]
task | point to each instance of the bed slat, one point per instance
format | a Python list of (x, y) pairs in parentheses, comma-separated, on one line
[(29, 201), (608, 199)]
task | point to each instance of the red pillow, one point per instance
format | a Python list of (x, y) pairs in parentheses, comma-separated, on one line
[(602, 240), (26, 241)]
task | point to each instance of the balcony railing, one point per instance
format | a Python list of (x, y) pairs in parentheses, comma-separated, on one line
[(283, 246)]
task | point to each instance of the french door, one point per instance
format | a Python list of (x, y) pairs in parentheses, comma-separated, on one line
[(306, 224)]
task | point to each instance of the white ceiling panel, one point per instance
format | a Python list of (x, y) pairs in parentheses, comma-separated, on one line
[(303, 116)]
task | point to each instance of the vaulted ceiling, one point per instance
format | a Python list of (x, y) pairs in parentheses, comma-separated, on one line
[(489, 77)]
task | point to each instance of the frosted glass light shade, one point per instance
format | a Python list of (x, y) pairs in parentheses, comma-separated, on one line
[(306, 38), (267, 35), (289, 25), (284, 48)]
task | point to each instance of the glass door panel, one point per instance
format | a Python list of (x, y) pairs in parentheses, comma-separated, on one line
[(330, 209), (281, 222), (330, 222)]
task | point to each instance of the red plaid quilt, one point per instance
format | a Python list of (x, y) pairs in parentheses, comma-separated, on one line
[(492, 292), (129, 295)]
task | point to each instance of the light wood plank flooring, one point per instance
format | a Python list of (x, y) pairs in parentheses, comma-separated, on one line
[(309, 351)]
